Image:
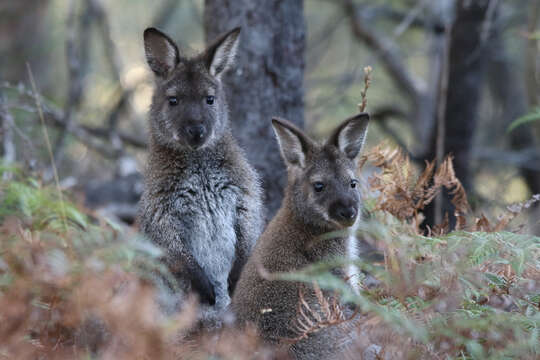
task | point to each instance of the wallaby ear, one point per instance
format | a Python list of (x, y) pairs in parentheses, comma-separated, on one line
[(350, 136), (220, 55), (293, 143), (161, 52)]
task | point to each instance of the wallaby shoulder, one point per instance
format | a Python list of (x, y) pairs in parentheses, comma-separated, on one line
[(321, 204), (201, 201), (287, 244), (200, 196)]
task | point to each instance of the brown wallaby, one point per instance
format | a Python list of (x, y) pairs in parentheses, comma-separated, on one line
[(202, 200), (321, 196)]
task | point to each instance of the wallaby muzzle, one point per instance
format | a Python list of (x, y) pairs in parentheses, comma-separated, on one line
[(344, 212), (196, 135)]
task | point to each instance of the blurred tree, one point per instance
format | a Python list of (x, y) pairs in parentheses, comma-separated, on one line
[(21, 41), (267, 80), (509, 91), (21, 38), (468, 49), (464, 42)]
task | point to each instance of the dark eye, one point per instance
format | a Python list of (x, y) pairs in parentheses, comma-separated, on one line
[(209, 99), (354, 183), (318, 186), (173, 100)]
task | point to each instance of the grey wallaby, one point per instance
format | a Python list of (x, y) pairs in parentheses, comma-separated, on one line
[(202, 200), (321, 196)]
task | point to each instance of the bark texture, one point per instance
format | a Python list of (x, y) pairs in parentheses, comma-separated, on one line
[(267, 80), (467, 65)]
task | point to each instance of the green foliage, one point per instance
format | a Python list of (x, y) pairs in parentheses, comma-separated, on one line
[(41, 207), (467, 295), (534, 115), (59, 265), (38, 210), (461, 295)]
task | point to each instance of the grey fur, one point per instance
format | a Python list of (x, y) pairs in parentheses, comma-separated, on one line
[(290, 242), (202, 200)]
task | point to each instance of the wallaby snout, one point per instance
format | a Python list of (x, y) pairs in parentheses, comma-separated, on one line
[(196, 135), (344, 211)]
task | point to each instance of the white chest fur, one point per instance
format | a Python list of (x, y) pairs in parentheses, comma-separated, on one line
[(210, 214)]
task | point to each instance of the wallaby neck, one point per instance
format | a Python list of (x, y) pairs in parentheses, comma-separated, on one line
[(298, 237)]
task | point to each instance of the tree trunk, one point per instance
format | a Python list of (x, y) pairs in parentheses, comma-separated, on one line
[(23, 39), (267, 80), (466, 75), (508, 91)]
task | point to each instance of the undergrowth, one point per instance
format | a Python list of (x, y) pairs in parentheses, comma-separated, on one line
[(472, 293), (76, 286)]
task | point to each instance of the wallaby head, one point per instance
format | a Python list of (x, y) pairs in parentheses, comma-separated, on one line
[(188, 109), (322, 187)]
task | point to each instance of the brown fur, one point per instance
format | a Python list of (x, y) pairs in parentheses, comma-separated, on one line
[(290, 241), (202, 200)]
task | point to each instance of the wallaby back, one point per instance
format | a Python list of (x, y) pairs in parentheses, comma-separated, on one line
[(321, 196), (202, 200)]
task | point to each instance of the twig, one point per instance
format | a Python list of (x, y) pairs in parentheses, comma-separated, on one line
[(9, 125), (48, 143), (84, 133), (75, 87), (363, 94), (341, 85), (6, 133), (526, 158), (403, 19), (409, 19), (111, 55), (385, 48), (485, 31), (487, 24), (316, 50)]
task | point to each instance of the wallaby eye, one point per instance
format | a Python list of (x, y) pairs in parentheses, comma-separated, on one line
[(318, 186), (209, 99), (354, 183), (173, 100)]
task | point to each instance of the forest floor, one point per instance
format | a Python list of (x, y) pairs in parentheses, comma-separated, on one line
[(76, 285)]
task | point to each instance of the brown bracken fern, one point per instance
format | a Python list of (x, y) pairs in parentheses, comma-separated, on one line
[(312, 318), (404, 193)]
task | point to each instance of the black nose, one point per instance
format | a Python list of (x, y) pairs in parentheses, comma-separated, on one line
[(347, 213), (196, 132), (343, 212)]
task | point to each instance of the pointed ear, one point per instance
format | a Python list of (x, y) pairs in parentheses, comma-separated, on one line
[(350, 136), (161, 52), (293, 143), (220, 55)]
